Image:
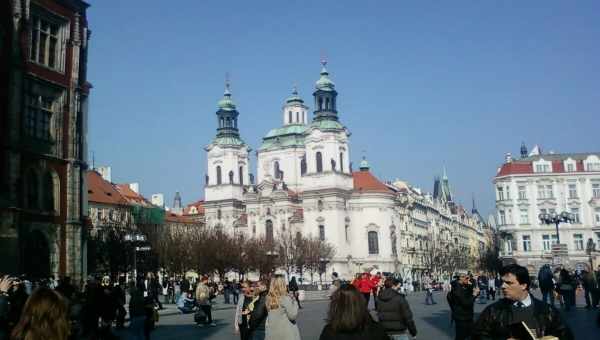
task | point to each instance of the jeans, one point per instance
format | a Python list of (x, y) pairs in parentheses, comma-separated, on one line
[(258, 334), (548, 294), (136, 327), (429, 297), (207, 309), (186, 310)]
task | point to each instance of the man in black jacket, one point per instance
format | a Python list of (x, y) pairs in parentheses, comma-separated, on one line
[(461, 298), (498, 320), (394, 312)]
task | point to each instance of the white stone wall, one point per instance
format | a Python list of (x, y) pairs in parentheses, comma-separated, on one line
[(229, 159), (289, 162), (514, 206)]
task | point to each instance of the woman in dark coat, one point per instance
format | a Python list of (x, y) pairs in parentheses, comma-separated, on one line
[(394, 312), (349, 319)]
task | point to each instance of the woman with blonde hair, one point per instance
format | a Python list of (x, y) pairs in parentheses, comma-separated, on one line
[(45, 316), (283, 310)]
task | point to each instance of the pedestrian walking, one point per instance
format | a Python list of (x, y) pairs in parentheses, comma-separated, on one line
[(227, 287), (394, 312), (259, 312), (45, 316), (461, 298), (235, 292), (242, 311), (137, 312), (293, 287), (428, 290), (349, 319), (588, 282), (364, 286), (566, 286), (501, 319), (203, 294), (546, 283), (282, 312), (492, 288)]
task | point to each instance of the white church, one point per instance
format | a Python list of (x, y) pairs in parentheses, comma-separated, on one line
[(305, 184)]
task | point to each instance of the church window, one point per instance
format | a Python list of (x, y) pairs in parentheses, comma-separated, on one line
[(32, 190), (297, 117), (241, 175), (219, 175), (221, 122), (253, 229), (276, 171), (320, 205), (347, 232), (326, 103), (341, 162), (290, 117), (269, 231), (235, 123), (373, 242), (320, 103), (228, 122), (303, 165), (219, 215), (319, 162), (230, 177), (322, 232)]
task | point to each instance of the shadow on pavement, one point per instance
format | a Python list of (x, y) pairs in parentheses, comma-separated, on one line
[(441, 321)]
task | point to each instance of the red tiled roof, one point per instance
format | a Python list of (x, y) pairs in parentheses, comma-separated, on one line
[(132, 196), (102, 191), (515, 168), (558, 166), (172, 217), (579, 165), (199, 205), (365, 181)]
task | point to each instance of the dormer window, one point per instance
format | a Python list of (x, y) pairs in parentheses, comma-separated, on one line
[(542, 168), (592, 163)]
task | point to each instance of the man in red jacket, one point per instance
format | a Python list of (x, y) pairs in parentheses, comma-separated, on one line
[(365, 285), (375, 280)]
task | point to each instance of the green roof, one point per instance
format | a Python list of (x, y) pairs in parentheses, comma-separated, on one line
[(226, 140), (287, 136), (287, 130), (324, 83), (327, 124)]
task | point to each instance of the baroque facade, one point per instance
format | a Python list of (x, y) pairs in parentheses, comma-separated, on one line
[(305, 184), (43, 113), (550, 183)]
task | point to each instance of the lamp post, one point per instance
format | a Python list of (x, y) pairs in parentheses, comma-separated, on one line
[(554, 218), (589, 249), (133, 238)]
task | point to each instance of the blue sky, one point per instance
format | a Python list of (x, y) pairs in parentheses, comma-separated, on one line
[(421, 84)]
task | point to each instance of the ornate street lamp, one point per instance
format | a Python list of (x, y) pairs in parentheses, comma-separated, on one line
[(590, 248), (554, 218)]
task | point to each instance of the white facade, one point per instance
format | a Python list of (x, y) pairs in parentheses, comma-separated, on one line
[(548, 183), (305, 185)]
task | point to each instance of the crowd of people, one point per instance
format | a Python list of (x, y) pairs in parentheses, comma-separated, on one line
[(268, 308)]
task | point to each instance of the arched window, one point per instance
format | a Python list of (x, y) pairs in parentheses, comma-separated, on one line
[(393, 240), (341, 162), (290, 117), (51, 193), (33, 186), (326, 103), (347, 233), (219, 215), (219, 179), (320, 103), (241, 175), (230, 177), (276, 171), (235, 123), (297, 117), (319, 161), (228, 122), (373, 242), (269, 231), (322, 232), (320, 205), (221, 122), (303, 165)]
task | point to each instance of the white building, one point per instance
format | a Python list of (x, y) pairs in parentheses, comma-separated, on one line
[(548, 183), (305, 184)]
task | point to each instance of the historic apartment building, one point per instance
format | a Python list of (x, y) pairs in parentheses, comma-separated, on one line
[(306, 184), (43, 118), (548, 183)]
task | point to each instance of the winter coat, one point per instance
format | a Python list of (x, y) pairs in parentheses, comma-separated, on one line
[(394, 312), (258, 316), (461, 299), (203, 294), (281, 322), (494, 321), (364, 285)]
